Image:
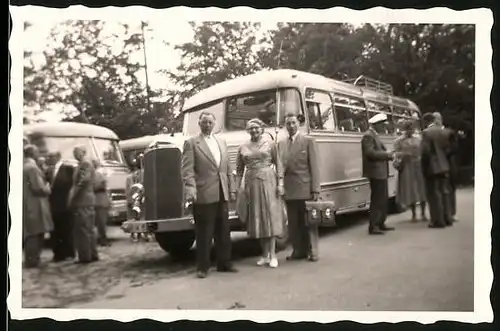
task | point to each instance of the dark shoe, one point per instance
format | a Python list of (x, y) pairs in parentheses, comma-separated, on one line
[(58, 259), (312, 258), (375, 231), (228, 268), (387, 228), (201, 274), (294, 257), (95, 258), (436, 226)]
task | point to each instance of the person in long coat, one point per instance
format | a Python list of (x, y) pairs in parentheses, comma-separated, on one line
[(102, 204), (263, 188), (411, 184), (37, 219)]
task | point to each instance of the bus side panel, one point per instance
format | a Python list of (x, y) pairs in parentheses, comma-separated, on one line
[(341, 171)]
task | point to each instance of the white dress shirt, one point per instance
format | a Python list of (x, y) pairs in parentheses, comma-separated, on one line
[(214, 148)]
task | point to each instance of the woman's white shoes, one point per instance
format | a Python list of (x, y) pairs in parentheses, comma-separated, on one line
[(273, 263), (263, 261)]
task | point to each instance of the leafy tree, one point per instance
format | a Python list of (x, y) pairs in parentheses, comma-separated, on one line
[(219, 51), (92, 71)]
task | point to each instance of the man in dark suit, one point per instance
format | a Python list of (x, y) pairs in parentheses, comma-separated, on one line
[(300, 160), (60, 177), (435, 167), (82, 202), (376, 168), (209, 185), (451, 154)]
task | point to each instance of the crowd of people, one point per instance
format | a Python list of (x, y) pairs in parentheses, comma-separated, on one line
[(427, 171), (69, 203), (272, 181)]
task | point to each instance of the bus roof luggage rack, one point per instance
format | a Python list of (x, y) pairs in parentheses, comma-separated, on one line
[(371, 84)]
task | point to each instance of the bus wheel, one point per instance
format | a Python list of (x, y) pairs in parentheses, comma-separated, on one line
[(177, 243), (394, 207)]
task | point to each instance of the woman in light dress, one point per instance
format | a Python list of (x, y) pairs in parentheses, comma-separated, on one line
[(411, 185), (261, 175)]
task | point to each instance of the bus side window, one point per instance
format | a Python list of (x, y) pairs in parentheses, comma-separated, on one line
[(290, 102), (320, 110), (351, 114), (379, 107)]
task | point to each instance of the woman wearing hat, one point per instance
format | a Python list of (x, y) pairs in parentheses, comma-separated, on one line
[(411, 189), (262, 188)]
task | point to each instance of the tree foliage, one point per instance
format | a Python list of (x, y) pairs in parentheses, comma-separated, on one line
[(92, 72), (219, 51), (432, 64)]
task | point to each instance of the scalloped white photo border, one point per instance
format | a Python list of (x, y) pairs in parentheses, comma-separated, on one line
[(483, 275)]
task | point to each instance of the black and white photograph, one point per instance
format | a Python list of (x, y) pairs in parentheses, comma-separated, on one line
[(251, 164)]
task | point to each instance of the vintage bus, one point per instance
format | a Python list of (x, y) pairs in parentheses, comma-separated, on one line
[(334, 112), (101, 144)]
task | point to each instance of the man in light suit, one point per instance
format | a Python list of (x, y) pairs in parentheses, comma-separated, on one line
[(376, 168), (82, 202), (37, 219), (436, 168), (300, 160), (209, 185)]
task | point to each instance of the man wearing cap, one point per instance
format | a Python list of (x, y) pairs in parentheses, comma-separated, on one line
[(376, 169)]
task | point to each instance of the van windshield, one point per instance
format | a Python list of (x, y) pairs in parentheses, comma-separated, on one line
[(108, 150)]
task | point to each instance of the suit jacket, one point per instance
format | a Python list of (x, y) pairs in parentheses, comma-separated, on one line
[(83, 185), (375, 156), (61, 182), (435, 146), (202, 177), (301, 167), (37, 218), (100, 190)]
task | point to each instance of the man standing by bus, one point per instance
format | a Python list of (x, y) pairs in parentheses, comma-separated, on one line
[(209, 184), (435, 167), (302, 183), (451, 155), (82, 202), (376, 168)]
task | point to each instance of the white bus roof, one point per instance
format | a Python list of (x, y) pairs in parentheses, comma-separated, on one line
[(69, 129), (274, 79)]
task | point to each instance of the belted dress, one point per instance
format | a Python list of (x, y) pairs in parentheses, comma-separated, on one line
[(260, 166)]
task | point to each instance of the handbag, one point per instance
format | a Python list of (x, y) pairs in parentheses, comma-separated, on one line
[(318, 212), (398, 164)]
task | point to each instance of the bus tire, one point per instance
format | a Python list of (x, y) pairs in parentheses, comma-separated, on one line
[(394, 207), (176, 243)]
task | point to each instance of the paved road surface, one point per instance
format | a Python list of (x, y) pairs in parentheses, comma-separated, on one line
[(413, 268)]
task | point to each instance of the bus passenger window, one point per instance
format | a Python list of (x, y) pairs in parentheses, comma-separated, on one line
[(320, 110), (375, 108), (351, 116), (241, 109)]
